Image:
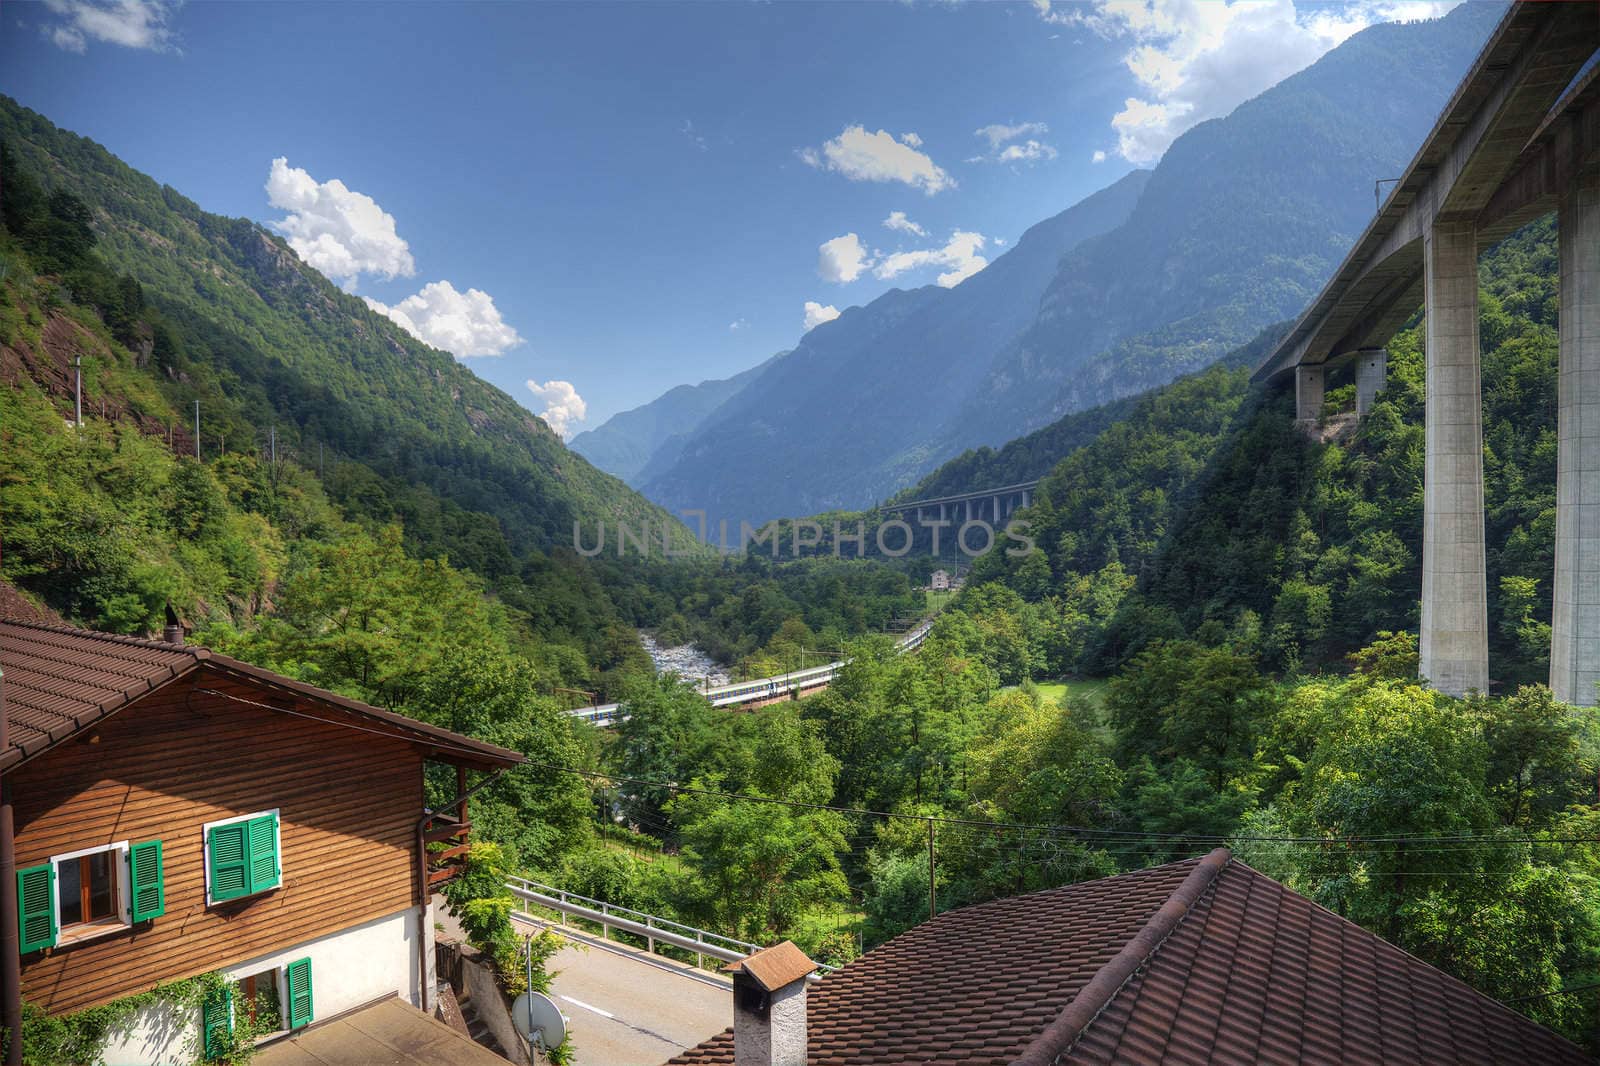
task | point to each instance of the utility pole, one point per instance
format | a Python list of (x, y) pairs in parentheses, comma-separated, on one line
[(197, 429), (933, 906), (10, 936), (77, 390)]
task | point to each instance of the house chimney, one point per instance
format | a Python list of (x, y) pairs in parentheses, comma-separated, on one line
[(769, 1006), (173, 633)]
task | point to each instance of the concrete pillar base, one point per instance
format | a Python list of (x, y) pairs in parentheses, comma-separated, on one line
[(1308, 388), (1372, 370)]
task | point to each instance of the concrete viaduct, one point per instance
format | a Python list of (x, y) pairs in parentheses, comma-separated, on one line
[(999, 503), (1519, 138)]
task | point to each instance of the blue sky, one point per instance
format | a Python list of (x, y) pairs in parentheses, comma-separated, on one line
[(646, 194)]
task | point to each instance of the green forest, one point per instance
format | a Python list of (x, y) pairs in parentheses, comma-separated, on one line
[(1212, 642)]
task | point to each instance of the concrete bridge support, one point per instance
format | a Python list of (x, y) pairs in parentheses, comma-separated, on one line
[(1372, 370), (1575, 619), (1455, 622), (1308, 387)]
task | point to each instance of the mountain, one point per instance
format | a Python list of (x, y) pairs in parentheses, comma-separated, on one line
[(1236, 228), (269, 345), (837, 419), (1239, 227), (628, 442)]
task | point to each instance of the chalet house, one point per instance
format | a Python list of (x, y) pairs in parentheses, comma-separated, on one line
[(1190, 964), (178, 812), (940, 580)]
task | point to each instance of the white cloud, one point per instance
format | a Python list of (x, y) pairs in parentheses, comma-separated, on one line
[(863, 156), (737, 324), (465, 324), (842, 259), (1098, 157), (817, 314), (998, 133), (1199, 59), (960, 254), (336, 230), (1029, 151), (562, 405), (143, 24), (898, 222)]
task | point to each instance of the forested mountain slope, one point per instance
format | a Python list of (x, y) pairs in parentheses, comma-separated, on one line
[(1239, 528), (356, 495), (1235, 229), (263, 340)]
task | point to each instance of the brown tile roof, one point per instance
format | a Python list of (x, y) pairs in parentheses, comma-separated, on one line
[(1197, 962), (774, 967), (59, 680)]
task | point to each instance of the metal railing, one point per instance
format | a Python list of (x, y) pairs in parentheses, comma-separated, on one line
[(609, 916), (737, 692), (652, 928)]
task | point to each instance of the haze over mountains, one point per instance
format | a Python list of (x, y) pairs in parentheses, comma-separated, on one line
[(628, 443), (1157, 275)]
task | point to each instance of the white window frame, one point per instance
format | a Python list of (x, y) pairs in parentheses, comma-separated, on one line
[(78, 932), (277, 845), (280, 979)]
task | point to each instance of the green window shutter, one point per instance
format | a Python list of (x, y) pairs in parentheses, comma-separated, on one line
[(146, 895), (263, 852), (299, 976), (230, 861), (216, 1022), (36, 907)]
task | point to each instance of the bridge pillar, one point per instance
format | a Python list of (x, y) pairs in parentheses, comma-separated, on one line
[(1372, 368), (1455, 624), (1575, 618), (1308, 382)]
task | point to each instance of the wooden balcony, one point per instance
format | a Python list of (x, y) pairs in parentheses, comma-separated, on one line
[(446, 862)]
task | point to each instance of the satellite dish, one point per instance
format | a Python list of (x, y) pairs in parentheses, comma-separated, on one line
[(538, 1019)]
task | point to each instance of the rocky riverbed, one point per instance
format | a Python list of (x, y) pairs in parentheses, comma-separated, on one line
[(686, 660)]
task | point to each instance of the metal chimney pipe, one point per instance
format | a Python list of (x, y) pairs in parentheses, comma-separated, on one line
[(173, 633)]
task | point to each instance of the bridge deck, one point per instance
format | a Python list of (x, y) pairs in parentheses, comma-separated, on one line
[(1479, 141)]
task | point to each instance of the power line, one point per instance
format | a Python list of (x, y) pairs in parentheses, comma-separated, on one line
[(1112, 836)]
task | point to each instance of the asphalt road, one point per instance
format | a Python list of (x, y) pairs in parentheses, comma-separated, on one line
[(627, 1008)]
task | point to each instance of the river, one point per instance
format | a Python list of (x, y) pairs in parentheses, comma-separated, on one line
[(688, 661)]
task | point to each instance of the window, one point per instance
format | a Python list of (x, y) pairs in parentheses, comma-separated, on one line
[(88, 893), (87, 888), (257, 1003), (242, 857), (256, 1006)]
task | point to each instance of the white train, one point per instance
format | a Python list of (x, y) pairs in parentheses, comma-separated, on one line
[(766, 688)]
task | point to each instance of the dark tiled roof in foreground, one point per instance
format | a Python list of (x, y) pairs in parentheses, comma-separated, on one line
[(1197, 962), (60, 680)]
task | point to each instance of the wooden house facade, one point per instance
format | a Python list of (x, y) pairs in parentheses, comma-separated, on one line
[(178, 812)]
